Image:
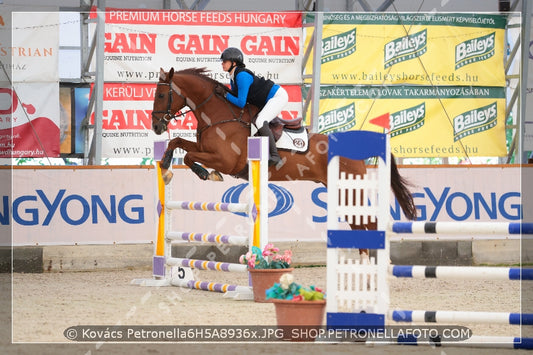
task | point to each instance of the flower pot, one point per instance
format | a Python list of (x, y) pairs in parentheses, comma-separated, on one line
[(263, 279), (299, 320)]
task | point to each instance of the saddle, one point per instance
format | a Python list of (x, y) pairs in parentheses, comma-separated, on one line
[(288, 134), (278, 124)]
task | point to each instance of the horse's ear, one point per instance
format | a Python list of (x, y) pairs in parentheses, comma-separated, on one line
[(162, 74), (170, 74)]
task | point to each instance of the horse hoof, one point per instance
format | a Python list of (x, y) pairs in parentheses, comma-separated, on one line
[(167, 177), (215, 176)]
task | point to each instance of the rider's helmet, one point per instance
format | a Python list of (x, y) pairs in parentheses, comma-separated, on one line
[(233, 55)]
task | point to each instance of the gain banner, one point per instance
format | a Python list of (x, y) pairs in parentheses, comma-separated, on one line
[(425, 121), (138, 43), (430, 49), (127, 120)]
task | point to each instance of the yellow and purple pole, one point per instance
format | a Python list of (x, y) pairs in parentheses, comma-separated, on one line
[(258, 182), (158, 266)]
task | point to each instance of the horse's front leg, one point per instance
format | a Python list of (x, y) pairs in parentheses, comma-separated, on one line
[(175, 143)]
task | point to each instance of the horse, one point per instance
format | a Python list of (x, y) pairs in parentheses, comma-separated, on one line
[(222, 133)]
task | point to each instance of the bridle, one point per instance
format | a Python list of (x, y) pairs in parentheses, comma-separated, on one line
[(168, 115)]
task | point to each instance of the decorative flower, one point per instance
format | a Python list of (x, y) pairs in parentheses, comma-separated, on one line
[(285, 280), (251, 261), (287, 256), (270, 250), (287, 289), (257, 259)]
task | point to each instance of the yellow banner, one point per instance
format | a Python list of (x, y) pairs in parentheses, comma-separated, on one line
[(425, 121), (419, 49)]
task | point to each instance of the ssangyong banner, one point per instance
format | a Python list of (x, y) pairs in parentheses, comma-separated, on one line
[(127, 120), (80, 206), (138, 43), (412, 48), (444, 121), (66, 206)]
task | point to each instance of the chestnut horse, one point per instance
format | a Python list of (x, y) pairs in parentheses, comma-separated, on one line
[(222, 133)]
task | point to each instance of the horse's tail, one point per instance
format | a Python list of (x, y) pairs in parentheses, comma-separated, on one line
[(400, 188)]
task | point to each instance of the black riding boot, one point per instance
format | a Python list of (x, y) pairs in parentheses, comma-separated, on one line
[(265, 131)]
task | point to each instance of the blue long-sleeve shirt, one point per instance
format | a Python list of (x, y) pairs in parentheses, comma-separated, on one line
[(242, 83)]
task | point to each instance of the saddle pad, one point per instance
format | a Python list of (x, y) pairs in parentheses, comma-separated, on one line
[(294, 140)]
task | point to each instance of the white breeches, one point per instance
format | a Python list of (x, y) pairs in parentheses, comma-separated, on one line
[(273, 107)]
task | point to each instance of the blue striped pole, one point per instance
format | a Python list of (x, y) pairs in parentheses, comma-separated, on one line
[(453, 317), (461, 272), (502, 228), (477, 341)]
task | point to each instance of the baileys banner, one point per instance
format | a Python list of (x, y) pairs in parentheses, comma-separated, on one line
[(471, 124), (420, 49)]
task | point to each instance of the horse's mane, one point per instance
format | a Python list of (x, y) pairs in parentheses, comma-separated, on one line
[(199, 72)]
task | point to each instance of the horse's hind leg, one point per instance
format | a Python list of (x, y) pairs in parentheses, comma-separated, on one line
[(203, 174), (195, 160), (215, 176), (363, 253)]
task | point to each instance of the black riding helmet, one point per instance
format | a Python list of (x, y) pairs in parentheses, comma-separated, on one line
[(233, 55)]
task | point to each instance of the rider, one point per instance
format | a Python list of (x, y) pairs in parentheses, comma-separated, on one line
[(269, 97)]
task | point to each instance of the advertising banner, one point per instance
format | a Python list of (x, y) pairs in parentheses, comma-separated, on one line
[(127, 120), (64, 206), (5, 44), (35, 46), (463, 193), (408, 48), (138, 43), (81, 206), (425, 121), (29, 105), (30, 116)]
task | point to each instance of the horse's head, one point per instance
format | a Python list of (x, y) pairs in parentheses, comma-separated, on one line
[(188, 87), (167, 101)]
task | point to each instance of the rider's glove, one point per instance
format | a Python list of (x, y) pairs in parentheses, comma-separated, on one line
[(221, 91)]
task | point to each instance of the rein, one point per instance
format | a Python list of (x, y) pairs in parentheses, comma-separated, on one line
[(168, 115), (234, 119)]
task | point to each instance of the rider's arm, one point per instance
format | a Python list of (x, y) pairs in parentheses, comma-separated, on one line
[(244, 81)]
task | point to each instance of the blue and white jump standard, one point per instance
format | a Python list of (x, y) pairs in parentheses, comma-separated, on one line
[(358, 295)]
